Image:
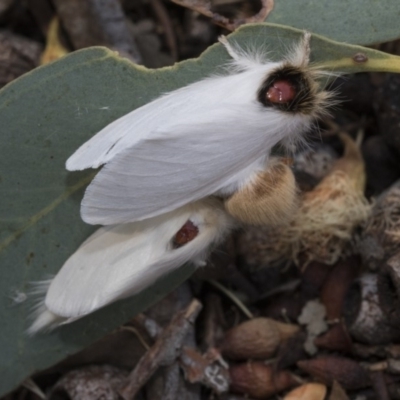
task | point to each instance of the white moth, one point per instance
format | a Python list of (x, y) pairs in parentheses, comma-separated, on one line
[(190, 162)]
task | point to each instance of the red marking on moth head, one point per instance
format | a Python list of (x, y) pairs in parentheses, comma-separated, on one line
[(281, 92)]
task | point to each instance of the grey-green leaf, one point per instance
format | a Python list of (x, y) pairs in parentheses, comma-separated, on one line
[(353, 21), (45, 115)]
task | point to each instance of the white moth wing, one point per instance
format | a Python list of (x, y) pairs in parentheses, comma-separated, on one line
[(123, 132), (119, 261), (193, 159), (141, 123)]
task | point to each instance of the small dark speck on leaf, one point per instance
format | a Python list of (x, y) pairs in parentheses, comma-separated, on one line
[(18, 235), (360, 58), (29, 257)]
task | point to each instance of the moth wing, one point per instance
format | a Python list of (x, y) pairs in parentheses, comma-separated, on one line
[(120, 134), (119, 261), (141, 123), (99, 271), (179, 164)]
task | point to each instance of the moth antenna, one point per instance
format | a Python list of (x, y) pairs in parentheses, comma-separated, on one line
[(242, 59), (305, 43), (300, 55), (231, 51)]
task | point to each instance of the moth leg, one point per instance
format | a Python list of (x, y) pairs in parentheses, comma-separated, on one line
[(269, 199)]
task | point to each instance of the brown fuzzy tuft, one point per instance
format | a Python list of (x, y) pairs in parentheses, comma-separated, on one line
[(270, 199)]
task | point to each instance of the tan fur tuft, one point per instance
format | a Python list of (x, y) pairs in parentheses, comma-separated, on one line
[(270, 199)]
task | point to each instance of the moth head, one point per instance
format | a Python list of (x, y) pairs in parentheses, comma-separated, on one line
[(293, 86)]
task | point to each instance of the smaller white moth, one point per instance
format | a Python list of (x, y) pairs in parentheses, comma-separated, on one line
[(179, 173)]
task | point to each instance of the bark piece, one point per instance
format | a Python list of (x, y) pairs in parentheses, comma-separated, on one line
[(97, 22), (210, 371), (90, 383), (204, 8), (164, 351), (18, 55)]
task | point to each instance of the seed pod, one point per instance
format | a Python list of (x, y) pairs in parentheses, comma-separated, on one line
[(336, 285), (313, 279), (309, 391), (337, 392), (380, 234), (292, 351), (363, 313), (258, 380), (258, 338), (389, 293), (323, 226), (379, 385), (344, 370), (367, 351), (337, 339)]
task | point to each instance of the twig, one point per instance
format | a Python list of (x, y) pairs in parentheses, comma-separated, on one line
[(286, 287), (164, 351), (151, 326), (203, 7), (229, 294), (214, 320), (137, 334), (32, 387), (165, 21), (172, 382), (239, 280)]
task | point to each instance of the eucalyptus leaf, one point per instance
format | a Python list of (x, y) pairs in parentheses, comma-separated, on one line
[(363, 22), (45, 115)]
